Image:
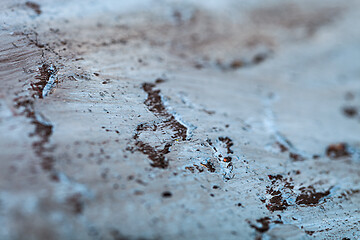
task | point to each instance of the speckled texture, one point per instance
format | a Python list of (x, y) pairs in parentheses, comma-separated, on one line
[(180, 120)]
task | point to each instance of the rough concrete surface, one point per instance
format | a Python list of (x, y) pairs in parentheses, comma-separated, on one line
[(179, 119)]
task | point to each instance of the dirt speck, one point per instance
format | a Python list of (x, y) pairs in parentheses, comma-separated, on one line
[(166, 194), (310, 232), (350, 111)]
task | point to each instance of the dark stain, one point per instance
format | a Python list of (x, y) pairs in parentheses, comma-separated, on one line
[(282, 147), (155, 155), (228, 142), (117, 235), (235, 64), (282, 186), (223, 144), (200, 169), (296, 157), (34, 6), (273, 178), (76, 203), (350, 111), (159, 80), (310, 197), (191, 169), (293, 153), (288, 146), (277, 202), (265, 223), (43, 129), (45, 71), (155, 104), (209, 166), (349, 193), (122, 41), (166, 194), (198, 65), (337, 150), (153, 100), (209, 112), (310, 232), (259, 58)]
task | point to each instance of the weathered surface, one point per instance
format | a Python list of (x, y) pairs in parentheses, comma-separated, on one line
[(231, 120)]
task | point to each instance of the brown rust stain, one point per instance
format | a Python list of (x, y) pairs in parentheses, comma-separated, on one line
[(296, 157), (43, 129), (282, 188), (286, 146), (310, 197), (338, 150), (157, 156), (228, 142), (277, 201), (209, 166), (263, 224), (155, 105), (34, 6)]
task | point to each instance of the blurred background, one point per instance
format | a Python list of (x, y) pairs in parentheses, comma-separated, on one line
[(179, 119)]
